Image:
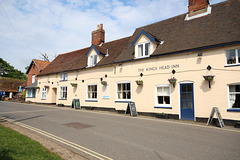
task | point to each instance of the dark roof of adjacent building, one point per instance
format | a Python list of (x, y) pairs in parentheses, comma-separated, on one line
[(178, 35), (220, 27), (32, 85)]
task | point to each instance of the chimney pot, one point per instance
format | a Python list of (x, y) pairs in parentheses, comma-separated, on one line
[(101, 26)]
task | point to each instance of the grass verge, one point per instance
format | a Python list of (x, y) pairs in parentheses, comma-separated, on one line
[(15, 146)]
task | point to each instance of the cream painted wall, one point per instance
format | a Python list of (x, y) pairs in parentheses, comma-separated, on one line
[(156, 71)]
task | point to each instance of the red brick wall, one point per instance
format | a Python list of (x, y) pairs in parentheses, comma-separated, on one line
[(33, 71), (195, 5), (98, 36)]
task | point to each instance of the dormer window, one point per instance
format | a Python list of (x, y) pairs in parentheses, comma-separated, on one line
[(145, 44), (92, 60), (143, 50), (95, 54)]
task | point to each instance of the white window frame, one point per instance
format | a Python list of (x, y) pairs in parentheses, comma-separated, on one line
[(92, 60), (237, 54), (64, 76), (61, 92), (229, 96), (125, 100), (30, 93), (144, 49), (44, 93), (156, 96), (33, 78), (87, 91)]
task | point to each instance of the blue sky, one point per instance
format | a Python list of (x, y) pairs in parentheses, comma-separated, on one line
[(31, 27)]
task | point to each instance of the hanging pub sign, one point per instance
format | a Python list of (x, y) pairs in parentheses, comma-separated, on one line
[(131, 109)]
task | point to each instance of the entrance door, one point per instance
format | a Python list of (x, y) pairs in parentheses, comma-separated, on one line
[(187, 101), (54, 95)]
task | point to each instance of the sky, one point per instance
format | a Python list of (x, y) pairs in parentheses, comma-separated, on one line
[(31, 27)]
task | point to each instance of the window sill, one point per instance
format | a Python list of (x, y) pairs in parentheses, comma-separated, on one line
[(165, 107), (63, 80), (43, 99), (233, 110), (30, 97), (232, 65), (62, 99), (91, 100), (123, 101), (142, 57)]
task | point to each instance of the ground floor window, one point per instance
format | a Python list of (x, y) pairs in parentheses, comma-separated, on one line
[(124, 91), (63, 92), (44, 93), (31, 93), (92, 91), (163, 97), (234, 96)]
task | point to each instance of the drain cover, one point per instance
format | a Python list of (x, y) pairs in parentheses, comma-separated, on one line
[(78, 125)]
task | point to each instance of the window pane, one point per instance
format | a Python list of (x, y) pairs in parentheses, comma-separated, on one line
[(184, 104), (160, 99), (189, 96), (166, 100), (95, 60), (231, 57), (140, 50), (184, 88), (128, 86), (189, 88), (238, 55), (147, 46), (189, 105), (234, 96)]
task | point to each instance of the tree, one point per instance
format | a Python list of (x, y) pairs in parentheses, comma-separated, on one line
[(44, 57), (6, 70)]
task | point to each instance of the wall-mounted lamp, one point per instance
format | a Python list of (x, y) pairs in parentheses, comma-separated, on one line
[(82, 81), (105, 75), (141, 74), (173, 71), (101, 79), (75, 78), (199, 54)]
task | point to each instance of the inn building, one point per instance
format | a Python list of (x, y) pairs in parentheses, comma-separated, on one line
[(182, 66)]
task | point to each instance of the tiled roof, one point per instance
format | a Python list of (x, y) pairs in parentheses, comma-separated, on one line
[(77, 59), (39, 64), (222, 26)]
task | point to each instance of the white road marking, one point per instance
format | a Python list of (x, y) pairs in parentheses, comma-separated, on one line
[(61, 140)]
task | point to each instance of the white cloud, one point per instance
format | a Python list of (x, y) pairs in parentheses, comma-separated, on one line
[(56, 26)]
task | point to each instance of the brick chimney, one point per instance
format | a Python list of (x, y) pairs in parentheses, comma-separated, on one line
[(195, 5), (98, 36)]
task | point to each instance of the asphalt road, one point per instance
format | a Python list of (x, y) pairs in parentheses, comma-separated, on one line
[(120, 137)]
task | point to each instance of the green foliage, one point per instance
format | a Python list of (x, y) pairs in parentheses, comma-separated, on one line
[(6, 70), (17, 146), (24, 94)]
